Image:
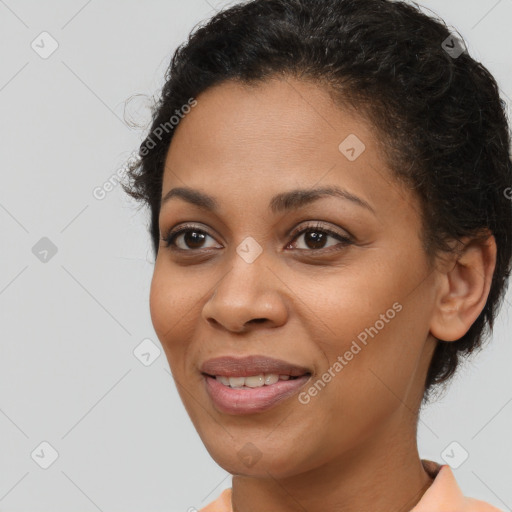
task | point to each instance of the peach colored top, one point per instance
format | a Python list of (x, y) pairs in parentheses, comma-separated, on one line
[(444, 495)]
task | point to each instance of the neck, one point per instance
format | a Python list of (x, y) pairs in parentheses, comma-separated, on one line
[(382, 474)]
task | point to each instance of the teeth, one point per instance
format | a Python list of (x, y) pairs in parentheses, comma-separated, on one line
[(271, 378), (236, 382), (254, 381), (223, 379)]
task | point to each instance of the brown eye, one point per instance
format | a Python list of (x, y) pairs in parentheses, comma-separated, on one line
[(316, 238), (193, 239), (187, 238)]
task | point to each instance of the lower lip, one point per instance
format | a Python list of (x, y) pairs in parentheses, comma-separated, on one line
[(252, 400)]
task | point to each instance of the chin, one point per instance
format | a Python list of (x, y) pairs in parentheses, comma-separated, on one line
[(248, 456)]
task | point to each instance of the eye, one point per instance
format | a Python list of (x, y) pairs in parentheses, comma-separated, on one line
[(189, 236), (315, 237)]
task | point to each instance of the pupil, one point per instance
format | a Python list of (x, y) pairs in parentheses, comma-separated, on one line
[(313, 239), (194, 238), (317, 239)]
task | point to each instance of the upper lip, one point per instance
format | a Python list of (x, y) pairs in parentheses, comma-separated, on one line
[(230, 366)]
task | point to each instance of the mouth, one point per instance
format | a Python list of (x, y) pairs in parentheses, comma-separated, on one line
[(251, 384), (251, 366), (252, 381)]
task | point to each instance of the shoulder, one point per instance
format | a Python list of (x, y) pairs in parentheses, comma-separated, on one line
[(444, 495), (474, 505), (221, 504)]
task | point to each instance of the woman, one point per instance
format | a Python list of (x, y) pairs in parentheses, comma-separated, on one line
[(327, 185)]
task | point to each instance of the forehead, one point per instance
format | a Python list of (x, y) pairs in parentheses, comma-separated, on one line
[(281, 115), (276, 134)]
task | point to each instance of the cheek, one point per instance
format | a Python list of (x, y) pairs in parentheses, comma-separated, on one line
[(377, 329), (353, 305), (173, 304), (380, 367)]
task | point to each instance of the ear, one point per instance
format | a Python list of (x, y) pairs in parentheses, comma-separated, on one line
[(463, 288)]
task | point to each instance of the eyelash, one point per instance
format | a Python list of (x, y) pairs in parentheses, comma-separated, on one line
[(171, 236)]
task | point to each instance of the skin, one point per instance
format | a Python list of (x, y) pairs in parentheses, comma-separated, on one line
[(353, 446)]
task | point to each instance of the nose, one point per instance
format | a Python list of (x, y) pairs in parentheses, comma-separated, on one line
[(248, 295)]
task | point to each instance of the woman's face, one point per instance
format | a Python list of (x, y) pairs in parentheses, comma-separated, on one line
[(260, 276)]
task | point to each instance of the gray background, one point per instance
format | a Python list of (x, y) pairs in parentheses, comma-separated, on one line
[(70, 325)]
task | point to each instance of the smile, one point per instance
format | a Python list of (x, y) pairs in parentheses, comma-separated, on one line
[(254, 381), (246, 399)]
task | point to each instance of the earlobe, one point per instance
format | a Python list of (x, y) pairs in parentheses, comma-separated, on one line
[(463, 289)]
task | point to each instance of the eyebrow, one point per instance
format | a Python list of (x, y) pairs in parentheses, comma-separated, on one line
[(285, 201)]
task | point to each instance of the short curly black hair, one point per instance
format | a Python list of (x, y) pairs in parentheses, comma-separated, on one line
[(438, 110)]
